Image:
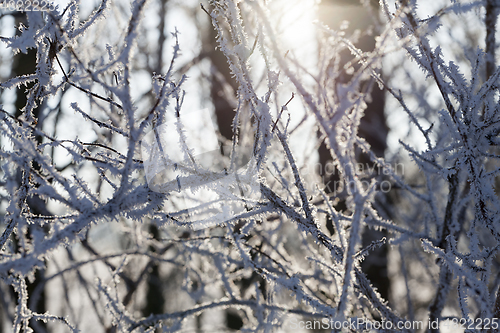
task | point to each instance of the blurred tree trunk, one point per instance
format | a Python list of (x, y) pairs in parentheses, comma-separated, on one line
[(373, 127), (222, 85), (24, 64), (155, 298)]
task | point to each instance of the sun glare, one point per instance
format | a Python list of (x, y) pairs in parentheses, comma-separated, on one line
[(294, 22)]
